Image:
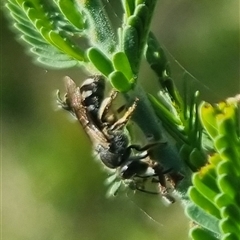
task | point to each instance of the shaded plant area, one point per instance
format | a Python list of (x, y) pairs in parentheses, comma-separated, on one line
[(203, 140)]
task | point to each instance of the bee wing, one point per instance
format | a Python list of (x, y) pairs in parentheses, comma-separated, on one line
[(74, 100)]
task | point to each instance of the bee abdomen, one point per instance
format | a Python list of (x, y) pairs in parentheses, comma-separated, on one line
[(92, 92)]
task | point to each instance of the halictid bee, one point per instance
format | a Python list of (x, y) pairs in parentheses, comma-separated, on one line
[(130, 162)]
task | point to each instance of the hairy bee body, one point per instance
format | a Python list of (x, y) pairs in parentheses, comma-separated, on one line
[(92, 95)]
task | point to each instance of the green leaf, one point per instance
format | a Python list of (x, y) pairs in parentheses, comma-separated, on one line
[(156, 57), (129, 6), (100, 61), (220, 123), (136, 22), (139, 19), (131, 46), (198, 233), (162, 110), (55, 64), (227, 184), (208, 119), (226, 167), (206, 185), (196, 158), (66, 46), (121, 63), (114, 188), (135, 30), (203, 202), (229, 226), (37, 25), (29, 32), (230, 236), (222, 200), (203, 219), (233, 211), (70, 10), (119, 81)]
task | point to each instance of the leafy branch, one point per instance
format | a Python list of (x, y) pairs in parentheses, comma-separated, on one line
[(203, 140)]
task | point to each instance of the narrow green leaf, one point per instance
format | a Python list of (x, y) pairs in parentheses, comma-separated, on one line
[(226, 167), (70, 10), (156, 57), (215, 160), (65, 46), (227, 125), (231, 212), (229, 226), (100, 61), (230, 236), (208, 119), (141, 11), (206, 185), (161, 109), (131, 46), (227, 150), (54, 55), (129, 6), (29, 31), (121, 63), (119, 81), (57, 64), (16, 13), (140, 2), (222, 200), (227, 184), (221, 142), (34, 15), (110, 179), (197, 158), (198, 233), (203, 219), (202, 202), (137, 23), (113, 190), (38, 43)]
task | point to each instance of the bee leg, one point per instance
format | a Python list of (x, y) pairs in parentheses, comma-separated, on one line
[(120, 123), (163, 189), (64, 103), (158, 169), (146, 191), (105, 106), (146, 147), (144, 151)]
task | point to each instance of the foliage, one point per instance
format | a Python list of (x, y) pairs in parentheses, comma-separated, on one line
[(214, 184), (68, 33)]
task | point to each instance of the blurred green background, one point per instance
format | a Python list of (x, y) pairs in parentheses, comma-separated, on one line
[(51, 186)]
